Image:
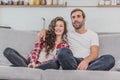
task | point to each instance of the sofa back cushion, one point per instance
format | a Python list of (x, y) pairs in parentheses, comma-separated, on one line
[(22, 41), (110, 44)]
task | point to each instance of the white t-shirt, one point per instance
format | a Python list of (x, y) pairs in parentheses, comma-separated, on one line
[(43, 57), (80, 43)]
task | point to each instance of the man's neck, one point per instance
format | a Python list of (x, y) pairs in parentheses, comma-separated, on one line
[(82, 30)]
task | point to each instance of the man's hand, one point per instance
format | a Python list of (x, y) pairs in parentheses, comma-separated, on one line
[(41, 35), (93, 56), (83, 65)]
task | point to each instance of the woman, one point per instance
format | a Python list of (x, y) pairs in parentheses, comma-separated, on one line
[(44, 54)]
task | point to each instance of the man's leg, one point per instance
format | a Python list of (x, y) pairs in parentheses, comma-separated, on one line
[(15, 58), (105, 62), (67, 60), (53, 64)]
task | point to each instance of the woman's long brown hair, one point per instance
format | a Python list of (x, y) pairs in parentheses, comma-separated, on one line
[(51, 36)]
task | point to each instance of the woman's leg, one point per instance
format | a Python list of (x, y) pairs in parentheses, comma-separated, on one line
[(53, 64), (15, 58)]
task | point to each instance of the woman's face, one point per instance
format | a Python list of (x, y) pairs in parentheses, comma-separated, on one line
[(59, 28)]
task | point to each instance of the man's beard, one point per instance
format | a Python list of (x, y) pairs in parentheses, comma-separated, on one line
[(78, 26)]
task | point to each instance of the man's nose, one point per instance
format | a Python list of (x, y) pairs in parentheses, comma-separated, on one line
[(75, 19)]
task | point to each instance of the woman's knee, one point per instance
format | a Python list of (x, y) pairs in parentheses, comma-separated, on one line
[(7, 51)]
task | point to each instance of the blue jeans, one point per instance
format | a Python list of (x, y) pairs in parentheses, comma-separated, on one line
[(65, 59), (15, 58), (53, 64), (69, 62), (18, 60)]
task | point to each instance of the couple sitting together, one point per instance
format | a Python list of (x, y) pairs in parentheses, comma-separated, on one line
[(72, 50)]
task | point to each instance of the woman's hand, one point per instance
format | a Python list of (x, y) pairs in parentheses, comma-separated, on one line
[(32, 65)]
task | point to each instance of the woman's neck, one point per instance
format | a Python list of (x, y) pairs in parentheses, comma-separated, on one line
[(58, 40)]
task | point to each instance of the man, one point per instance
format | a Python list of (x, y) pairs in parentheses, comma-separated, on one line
[(84, 48)]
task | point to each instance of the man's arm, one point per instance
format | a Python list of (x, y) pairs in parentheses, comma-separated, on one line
[(93, 55), (41, 35)]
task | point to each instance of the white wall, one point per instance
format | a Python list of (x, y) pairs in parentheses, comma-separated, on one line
[(29, 18)]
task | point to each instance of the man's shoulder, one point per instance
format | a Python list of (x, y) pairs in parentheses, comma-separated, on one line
[(91, 32), (71, 32)]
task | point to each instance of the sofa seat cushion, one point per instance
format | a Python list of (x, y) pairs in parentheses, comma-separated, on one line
[(80, 75), (20, 73)]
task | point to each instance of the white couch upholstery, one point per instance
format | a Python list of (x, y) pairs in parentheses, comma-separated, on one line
[(23, 42)]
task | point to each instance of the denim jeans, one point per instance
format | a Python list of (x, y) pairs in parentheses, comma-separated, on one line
[(53, 64), (69, 62), (19, 61), (65, 59), (15, 58)]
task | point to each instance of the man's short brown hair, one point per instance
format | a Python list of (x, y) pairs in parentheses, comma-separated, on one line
[(83, 14)]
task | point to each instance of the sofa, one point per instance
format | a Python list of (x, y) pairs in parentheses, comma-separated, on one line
[(23, 42)]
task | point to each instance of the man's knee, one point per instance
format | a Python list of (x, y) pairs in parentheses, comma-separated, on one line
[(63, 52), (110, 59)]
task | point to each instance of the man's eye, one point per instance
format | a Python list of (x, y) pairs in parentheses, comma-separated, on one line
[(73, 17)]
